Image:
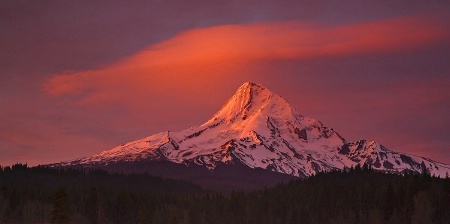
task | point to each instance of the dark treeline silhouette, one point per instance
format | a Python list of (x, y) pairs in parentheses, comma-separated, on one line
[(355, 195), (46, 195)]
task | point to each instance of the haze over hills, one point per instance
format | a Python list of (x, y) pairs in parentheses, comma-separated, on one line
[(260, 130)]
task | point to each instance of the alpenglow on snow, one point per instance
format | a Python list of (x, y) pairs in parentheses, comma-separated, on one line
[(260, 129)]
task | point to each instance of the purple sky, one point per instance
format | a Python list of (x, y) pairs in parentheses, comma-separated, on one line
[(80, 77)]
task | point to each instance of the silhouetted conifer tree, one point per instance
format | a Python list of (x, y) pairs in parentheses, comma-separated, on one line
[(60, 207)]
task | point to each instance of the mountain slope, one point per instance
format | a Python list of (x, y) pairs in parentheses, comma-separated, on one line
[(259, 129)]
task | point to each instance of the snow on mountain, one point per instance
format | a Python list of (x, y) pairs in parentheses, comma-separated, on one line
[(260, 129)]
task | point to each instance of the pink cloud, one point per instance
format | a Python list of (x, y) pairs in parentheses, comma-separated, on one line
[(224, 50)]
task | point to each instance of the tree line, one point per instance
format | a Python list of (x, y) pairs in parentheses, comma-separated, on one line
[(354, 195)]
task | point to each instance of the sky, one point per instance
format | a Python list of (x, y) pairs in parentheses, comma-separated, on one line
[(80, 77)]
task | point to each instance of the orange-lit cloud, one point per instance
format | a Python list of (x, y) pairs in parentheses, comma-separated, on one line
[(222, 50)]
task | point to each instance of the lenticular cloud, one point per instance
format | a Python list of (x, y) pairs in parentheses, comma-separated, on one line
[(224, 49)]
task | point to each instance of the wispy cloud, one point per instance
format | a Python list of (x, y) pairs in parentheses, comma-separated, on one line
[(223, 49)]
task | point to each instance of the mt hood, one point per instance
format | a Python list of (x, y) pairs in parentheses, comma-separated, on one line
[(259, 129)]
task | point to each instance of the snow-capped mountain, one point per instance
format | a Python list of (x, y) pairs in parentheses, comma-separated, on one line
[(259, 129)]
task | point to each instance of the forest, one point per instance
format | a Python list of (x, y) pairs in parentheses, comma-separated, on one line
[(354, 195)]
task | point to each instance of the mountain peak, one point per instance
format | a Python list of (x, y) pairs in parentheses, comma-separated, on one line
[(252, 86), (249, 99), (247, 91)]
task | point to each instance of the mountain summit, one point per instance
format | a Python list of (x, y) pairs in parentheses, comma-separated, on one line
[(259, 129)]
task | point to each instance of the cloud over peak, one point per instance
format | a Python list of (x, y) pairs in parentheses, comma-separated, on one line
[(223, 49)]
